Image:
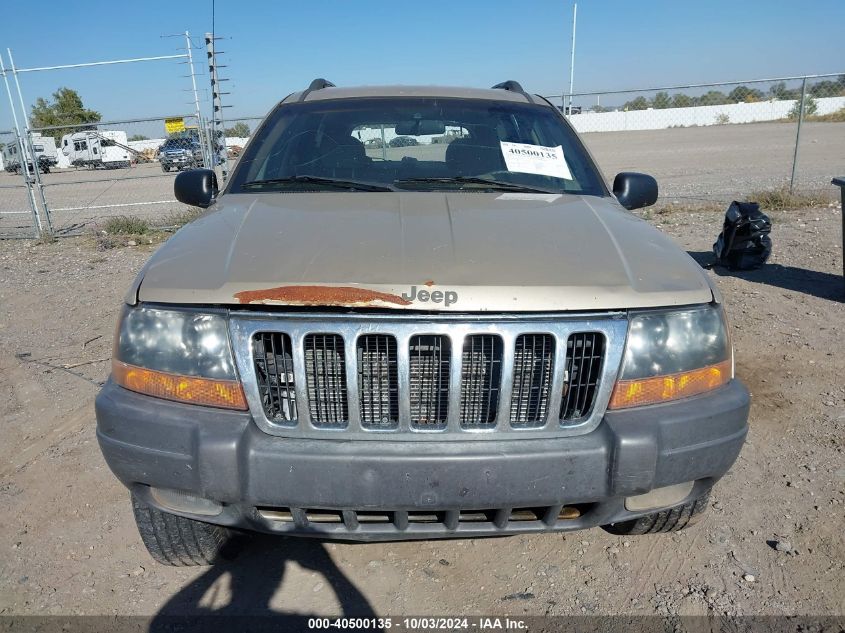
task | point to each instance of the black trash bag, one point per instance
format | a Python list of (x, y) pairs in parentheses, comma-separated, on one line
[(744, 243)]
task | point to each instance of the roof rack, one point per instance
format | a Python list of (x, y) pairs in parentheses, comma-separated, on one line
[(513, 86), (317, 84)]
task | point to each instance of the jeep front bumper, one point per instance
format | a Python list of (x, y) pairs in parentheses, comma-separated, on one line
[(362, 490)]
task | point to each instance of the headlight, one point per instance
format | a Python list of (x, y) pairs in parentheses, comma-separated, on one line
[(183, 356), (672, 355)]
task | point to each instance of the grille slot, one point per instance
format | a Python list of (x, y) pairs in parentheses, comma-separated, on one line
[(429, 358), (273, 358), (325, 377), (584, 360), (378, 381), (481, 375), (532, 379)]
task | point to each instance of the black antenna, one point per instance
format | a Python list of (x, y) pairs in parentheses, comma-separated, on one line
[(317, 84), (513, 86)]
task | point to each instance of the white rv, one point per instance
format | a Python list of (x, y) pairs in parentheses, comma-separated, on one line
[(94, 148), (45, 154)]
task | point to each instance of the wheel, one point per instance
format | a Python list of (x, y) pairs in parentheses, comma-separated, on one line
[(165, 168), (177, 541), (668, 520)]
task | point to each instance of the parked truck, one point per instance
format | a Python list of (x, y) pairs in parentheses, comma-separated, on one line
[(95, 149)]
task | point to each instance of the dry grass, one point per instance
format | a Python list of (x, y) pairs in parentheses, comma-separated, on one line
[(120, 231), (833, 117), (125, 225), (782, 199), (779, 199), (178, 219)]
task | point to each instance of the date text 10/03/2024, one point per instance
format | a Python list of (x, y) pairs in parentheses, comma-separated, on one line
[(478, 623)]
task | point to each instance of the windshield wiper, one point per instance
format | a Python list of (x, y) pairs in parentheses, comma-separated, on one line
[(337, 183), (472, 180)]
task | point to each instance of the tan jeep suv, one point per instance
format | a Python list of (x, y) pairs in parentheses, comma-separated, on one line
[(417, 312)]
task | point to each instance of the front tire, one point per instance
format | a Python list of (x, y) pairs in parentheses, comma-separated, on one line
[(177, 541), (669, 520)]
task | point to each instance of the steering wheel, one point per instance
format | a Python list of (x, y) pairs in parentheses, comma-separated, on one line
[(319, 157)]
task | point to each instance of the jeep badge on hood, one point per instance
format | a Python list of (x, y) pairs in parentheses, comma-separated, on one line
[(447, 297)]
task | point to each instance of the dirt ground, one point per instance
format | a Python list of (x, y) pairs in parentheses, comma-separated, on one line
[(771, 543)]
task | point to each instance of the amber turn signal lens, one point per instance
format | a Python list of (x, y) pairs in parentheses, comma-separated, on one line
[(225, 394), (637, 393)]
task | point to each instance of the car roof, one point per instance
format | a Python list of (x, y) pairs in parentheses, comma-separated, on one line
[(324, 94)]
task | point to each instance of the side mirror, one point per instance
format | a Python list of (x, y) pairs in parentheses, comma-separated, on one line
[(633, 190), (196, 187)]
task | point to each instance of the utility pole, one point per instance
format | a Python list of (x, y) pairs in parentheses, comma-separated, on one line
[(568, 109), (209, 159), (217, 131)]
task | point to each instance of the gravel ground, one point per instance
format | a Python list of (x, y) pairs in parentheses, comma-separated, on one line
[(771, 542)]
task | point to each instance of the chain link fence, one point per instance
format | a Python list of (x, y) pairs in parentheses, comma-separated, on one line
[(704, 143), (720, 142), (234, 135), (16, 210), (119, 168)]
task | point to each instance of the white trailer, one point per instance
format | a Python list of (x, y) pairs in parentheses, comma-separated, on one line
[(11, 157), (46, 154), (93, 148)]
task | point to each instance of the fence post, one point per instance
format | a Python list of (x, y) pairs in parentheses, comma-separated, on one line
[(31, 149), (36, 221), (798, 132)]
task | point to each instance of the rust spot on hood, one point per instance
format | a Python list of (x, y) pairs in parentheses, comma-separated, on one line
[(319, 296), (429, 283)]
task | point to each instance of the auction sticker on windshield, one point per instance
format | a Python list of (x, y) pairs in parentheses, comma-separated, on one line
[(535, 159)]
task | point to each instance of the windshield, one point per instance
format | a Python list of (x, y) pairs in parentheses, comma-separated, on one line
[(416, 144)]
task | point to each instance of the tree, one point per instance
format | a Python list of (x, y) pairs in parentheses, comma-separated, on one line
[(827, 88), (640, 103), (138, 137), (238, 130), (810, 107), (661, 101), (680, 100), (66, 109), (779, 91), (744, 94), (713, 97)]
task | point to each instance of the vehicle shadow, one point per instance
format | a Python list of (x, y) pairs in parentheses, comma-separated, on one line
[(810, 282), (254, 567)]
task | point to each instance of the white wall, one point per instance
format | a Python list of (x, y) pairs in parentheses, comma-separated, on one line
[(652, 119)]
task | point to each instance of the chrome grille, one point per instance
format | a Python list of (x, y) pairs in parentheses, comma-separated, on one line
[(428, 366), (376, 376), (533, 359), (378, 382), (274, 374), (325, 375), (481, 375), (584, 355)]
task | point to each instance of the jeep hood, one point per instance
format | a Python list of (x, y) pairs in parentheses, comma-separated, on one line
[(476, 252)]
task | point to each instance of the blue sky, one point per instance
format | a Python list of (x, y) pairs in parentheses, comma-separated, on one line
[(275, 48)]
